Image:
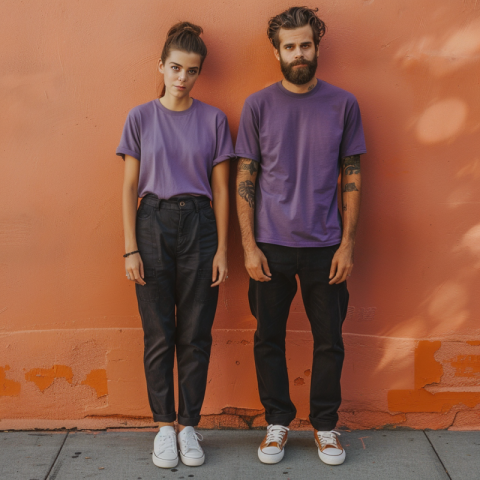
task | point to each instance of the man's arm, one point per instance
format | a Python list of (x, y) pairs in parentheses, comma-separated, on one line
[(255, 261), (342, 263)]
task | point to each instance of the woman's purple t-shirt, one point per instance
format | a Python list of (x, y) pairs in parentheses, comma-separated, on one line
[(177, 150), (299, 139)]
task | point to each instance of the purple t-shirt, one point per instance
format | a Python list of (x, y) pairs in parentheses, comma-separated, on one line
[(298, 140), (177, 150)]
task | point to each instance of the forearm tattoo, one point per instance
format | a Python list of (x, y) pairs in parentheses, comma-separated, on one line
[(246, 190), (350, 187), (351, 165), (249, 166)]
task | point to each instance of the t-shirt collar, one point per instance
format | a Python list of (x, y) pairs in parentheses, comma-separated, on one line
[(164, 109), (299, 95)]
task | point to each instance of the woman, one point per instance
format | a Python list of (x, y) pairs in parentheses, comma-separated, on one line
[(175, 149)]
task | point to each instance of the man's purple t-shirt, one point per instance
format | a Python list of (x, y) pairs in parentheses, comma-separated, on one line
[(299, 140), (177, 150)]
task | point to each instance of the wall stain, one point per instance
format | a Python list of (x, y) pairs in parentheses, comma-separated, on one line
[(428, 371), (44, 377), (8, 388), (97, 379)]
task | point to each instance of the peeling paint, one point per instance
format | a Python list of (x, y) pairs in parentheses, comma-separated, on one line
[(299, 381), (8, 388), (467, 365), (97, 379), (429, 371), (44, 377)]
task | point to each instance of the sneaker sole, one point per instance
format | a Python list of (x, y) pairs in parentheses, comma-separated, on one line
[(270, 459), (162, 463), (330, 459), (192, 462)]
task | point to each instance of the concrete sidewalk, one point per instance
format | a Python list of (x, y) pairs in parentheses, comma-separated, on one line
[(232, 454)]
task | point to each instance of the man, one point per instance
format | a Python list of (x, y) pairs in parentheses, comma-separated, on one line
[(295, 137)]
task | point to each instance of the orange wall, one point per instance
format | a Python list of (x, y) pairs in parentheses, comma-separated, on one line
[(70, 333)]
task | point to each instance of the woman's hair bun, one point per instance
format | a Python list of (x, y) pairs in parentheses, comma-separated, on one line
[(185, 27)]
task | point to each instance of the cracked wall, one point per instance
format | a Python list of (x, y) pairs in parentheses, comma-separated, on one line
[(70, 335)]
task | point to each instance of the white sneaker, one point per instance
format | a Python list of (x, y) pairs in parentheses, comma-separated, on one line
[(272, 449), (330, 450), (165, 453), (191, 452)]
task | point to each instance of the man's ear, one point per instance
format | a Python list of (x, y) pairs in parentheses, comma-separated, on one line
[(160, 66), (276, 53)]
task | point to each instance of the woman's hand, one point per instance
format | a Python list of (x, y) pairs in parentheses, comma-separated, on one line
[(220, 269), (134, 268)]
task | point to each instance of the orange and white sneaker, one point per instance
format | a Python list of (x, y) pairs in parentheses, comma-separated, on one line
[(330, 450), (272, 449)]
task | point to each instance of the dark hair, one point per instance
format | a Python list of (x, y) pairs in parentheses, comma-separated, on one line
[(296, 17), (184, 36)]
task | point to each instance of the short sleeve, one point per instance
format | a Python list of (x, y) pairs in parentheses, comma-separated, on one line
[(353, 140), (224, 148), (248, 141), (130, 141)]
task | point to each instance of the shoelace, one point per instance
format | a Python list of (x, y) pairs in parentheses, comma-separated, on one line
[(328, 438), (190, 441), (167, 441), (275, 433)]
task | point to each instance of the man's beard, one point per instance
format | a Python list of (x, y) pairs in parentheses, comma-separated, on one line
[(301, 75)]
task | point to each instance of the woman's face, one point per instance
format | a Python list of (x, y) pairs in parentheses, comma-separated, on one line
[(180, 72)]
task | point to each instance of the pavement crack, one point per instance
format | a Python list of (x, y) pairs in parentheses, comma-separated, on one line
[(56, 457), (438, 456)]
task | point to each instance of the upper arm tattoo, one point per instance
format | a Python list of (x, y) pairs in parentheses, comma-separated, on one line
[(351, 165), (251, 166)]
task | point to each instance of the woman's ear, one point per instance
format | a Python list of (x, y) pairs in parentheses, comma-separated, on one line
[(160, 66)]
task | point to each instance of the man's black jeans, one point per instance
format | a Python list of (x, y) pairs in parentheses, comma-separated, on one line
[(326, 308), (177, 239)]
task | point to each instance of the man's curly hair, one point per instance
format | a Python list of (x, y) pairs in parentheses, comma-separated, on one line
[(296, 17)]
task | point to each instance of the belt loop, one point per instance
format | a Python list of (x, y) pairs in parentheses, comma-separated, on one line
[(159, 202), (195, 201)]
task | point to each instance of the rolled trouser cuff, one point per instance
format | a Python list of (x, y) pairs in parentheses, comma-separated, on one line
[(188, 422), (283, 419), (171, 417), (322, 424)]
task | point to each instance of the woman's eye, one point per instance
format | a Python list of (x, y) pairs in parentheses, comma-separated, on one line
[(192, 72), (174, 67)]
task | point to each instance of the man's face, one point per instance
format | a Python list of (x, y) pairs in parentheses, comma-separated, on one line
[(297, 54)]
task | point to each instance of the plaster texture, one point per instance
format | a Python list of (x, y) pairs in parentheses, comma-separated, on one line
[(70, 333)]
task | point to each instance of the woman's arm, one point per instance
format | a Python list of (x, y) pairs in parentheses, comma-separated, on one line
[(220, 176), (133, 263)]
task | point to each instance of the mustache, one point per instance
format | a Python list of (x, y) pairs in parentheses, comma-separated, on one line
[(301, 61)]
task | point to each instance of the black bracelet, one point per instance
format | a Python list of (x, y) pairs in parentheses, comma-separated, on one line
[(131, 253)]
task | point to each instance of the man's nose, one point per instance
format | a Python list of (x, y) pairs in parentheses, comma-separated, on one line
[(298, 53)]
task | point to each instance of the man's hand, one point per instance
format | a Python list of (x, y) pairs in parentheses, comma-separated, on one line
[(257, 265), (342, 264)]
